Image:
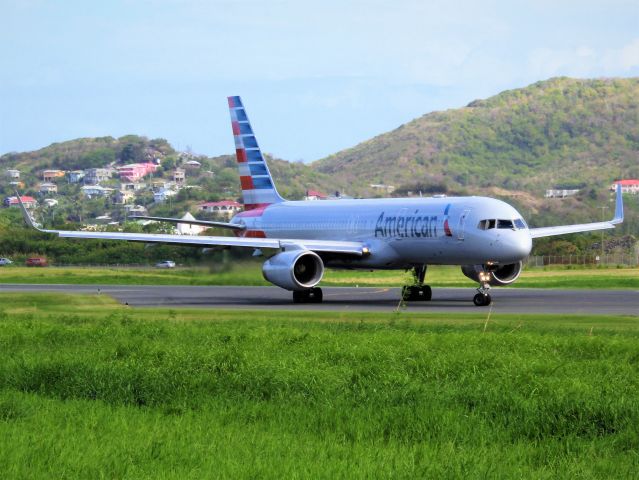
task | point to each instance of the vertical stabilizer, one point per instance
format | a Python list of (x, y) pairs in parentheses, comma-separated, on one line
[(258, 189)]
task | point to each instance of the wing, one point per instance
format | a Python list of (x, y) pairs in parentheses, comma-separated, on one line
[(326, 246), (205, 223), (583, 227)]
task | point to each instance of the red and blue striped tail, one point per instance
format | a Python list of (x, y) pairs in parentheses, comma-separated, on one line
[(258, 189)]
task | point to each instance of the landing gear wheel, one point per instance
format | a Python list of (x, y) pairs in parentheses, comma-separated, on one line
[(316, 295), (426, 293), (312, 295), (300, 297), (482, 299), (414, 293)]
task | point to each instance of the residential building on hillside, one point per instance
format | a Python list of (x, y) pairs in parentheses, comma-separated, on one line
[(96, 175), (630, 186), (48, 187), (75, 176), (50, 202), (162, 195), (225, 208), (132, 186), (315, 195), (51, 175), (29, 202), (92, 191), (385, 188), (179, 176), (13, 174), (192, 164), (135, 210), (123, 196), (135, 171), (561, 193)]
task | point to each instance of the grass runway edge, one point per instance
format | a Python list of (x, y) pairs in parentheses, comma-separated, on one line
[(89, 387)]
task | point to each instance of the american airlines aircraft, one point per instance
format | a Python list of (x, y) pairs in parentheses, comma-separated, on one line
[(486, 237)]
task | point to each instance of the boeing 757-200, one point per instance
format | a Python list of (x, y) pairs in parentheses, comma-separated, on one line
[(488, 238)]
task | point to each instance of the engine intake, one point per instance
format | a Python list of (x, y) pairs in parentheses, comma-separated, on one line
[(294, 270), (499, 274)]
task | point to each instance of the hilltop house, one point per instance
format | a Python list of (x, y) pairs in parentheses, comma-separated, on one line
[(48, 187), (123, 196), (163, 194), (51, 175), (225, 208), (29, 202), (92, 191), (75, 176), (630, 186), (13, 174), (315, 195), (94, 176), (135, 171), (561, 192), (178, 176)]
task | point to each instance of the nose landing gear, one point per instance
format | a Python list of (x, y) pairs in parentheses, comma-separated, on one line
[(482, 298)]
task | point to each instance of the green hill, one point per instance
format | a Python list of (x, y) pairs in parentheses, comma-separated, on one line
[(558, 132)]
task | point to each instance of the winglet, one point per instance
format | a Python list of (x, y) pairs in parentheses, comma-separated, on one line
[(25, 213), (618, 207)]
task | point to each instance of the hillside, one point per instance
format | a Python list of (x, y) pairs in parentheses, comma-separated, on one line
[(557, 132)]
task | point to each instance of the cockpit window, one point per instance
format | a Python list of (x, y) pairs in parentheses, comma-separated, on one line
[(505, 224), (519, 223), (501, 223)]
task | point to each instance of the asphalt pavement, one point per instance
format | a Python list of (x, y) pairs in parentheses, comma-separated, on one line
[(505, 300)]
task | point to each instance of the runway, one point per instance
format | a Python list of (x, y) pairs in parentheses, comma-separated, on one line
[(506, 300)]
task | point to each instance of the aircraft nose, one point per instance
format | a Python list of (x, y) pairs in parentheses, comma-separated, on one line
[(521, 245)]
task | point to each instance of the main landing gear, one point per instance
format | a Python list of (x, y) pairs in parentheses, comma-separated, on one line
[(482, 298), (312, 295), (418, 291)]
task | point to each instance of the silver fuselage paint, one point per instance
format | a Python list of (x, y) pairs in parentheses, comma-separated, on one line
[(400, 232)]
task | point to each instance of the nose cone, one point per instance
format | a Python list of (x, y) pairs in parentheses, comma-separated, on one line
[(518, 246)]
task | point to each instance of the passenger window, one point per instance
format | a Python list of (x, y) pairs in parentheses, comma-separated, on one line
[(505, 224)]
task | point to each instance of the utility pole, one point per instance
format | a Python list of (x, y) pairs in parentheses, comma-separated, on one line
[(603, 208)]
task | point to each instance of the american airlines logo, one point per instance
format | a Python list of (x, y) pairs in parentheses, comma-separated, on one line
[(406, 226)]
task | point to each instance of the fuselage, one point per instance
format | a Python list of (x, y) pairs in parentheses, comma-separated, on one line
[(401, 232)]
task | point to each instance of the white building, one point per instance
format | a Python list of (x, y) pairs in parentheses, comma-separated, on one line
[(561, 193), (189, 228)]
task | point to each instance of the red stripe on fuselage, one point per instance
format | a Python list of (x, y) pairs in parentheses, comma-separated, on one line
[(253, 210), (447, 229)]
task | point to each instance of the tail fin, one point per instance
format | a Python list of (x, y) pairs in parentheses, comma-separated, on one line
[(258, 189)]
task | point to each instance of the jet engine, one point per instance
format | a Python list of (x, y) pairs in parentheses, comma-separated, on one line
[(294, 270), (499, 274)]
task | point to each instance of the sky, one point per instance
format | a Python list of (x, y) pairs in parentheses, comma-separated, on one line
[(315, 77)]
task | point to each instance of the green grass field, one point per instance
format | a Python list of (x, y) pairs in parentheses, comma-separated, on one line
[(93, 389), (250, 274)]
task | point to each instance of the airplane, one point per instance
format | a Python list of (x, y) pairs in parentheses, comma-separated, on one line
[(486, 237)]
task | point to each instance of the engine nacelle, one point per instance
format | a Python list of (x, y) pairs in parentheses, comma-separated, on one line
[(499, 274), (294, 270)]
